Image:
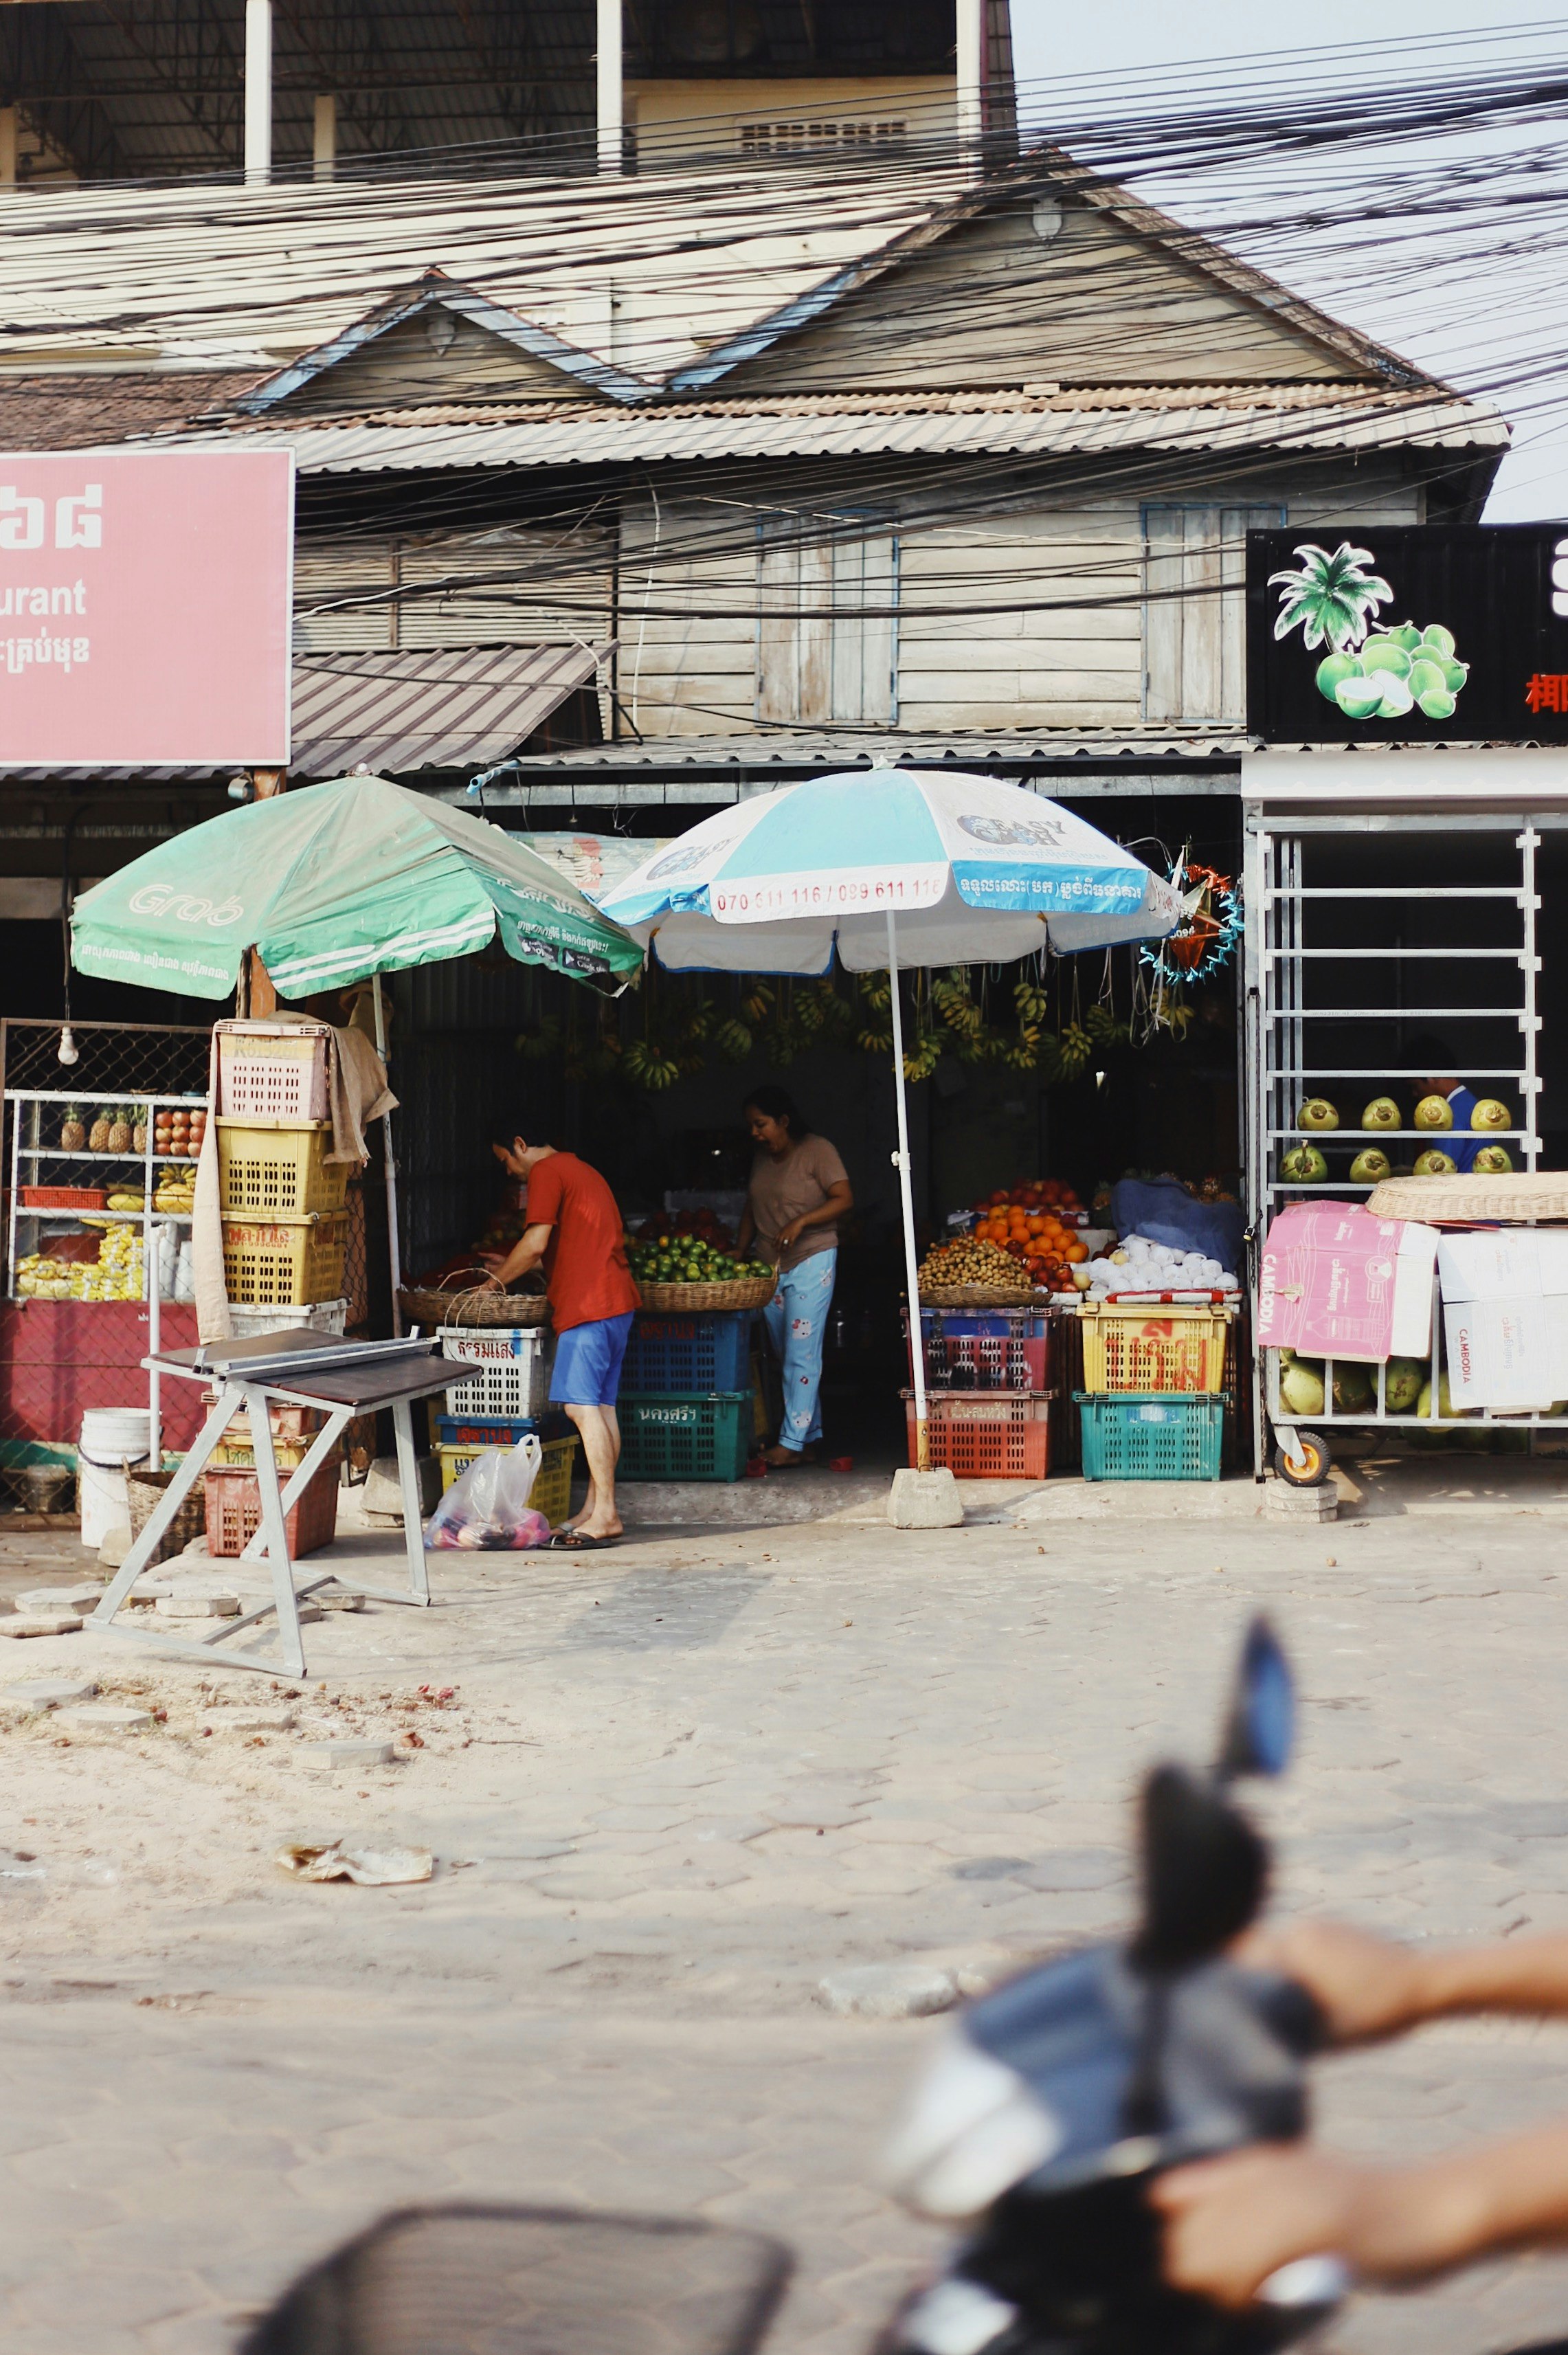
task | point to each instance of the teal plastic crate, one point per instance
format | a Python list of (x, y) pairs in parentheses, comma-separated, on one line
[(685, 1435), (1149, 1435)]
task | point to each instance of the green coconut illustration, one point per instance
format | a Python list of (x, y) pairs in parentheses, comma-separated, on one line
[(1372, 671)]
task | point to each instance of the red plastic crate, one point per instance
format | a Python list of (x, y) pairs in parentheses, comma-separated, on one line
[(992, 1362), (63, 1197), (234, 1513), (985, 1434), (58, 1357)]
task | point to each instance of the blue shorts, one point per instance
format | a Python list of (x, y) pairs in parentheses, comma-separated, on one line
[(588, 1362)]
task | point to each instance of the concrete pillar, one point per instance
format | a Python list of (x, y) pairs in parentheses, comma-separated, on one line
[(10, 129), (971, 77), (611, 97), (323, 150), (259, 90)]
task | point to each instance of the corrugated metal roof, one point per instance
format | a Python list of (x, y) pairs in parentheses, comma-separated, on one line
[(396, 713), (817, 748), (401, 712), (1051, 426)]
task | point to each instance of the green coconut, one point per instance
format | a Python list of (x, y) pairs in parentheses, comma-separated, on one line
[(1437, 704), (1318, 1113), (1403, 1384), (1358, 698), (1491, 1160), (1433, 1112), (1435, 636), (1332, 669), (1397, 700), (1353, 1392), (1370, 1167), (1301, 1387), (1491, 1112), (1381, 1113), (1434, 1163), (1426, 679), (1385, 653), (1304, 1165)]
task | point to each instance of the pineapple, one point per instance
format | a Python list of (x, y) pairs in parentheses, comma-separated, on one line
[(103, 1120), (139, 1129), (73, 1131), (119, 1131)]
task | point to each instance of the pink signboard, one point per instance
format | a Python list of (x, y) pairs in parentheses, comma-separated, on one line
[(145, 608)]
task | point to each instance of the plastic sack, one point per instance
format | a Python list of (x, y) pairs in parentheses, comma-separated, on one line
[(487, 1508), (1166, 1213)]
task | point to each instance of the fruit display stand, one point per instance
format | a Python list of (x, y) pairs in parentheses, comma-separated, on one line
[(1307, 1399), (76, 1317), (1319, 976)]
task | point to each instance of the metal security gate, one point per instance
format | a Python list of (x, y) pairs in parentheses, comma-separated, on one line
[(1331, 979)]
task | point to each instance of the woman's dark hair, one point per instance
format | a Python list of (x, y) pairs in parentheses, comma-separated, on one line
[(778, 1104)]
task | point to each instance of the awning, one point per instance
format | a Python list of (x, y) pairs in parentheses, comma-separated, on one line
[(446, 708)]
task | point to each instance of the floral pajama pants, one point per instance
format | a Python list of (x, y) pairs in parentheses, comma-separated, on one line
[(796, 1319)]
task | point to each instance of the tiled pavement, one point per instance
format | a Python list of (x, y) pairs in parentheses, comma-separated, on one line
[(671, 1788)]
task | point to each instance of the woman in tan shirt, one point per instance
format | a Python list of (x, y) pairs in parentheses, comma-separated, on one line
[(799, 1192)]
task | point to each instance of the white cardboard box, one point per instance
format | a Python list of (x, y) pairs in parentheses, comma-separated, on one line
[(1509, 1355), (1504, 1263)]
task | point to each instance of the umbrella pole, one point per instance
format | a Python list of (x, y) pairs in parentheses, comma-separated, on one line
[(394, 1255), (906, 1192)]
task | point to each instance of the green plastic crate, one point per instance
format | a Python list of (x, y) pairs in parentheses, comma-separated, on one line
[(684, 1435), (1150, 1435)]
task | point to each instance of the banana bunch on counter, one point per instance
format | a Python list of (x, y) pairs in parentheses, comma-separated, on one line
[(176, 1188)]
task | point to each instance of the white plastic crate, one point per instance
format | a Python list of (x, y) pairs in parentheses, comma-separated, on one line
[(272, 1070), (321, 1317), (515, 1363)]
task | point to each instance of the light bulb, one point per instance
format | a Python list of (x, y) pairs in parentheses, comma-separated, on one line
[(68, 1051)]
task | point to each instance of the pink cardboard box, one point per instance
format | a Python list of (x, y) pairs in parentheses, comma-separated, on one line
[(1333, 1282)]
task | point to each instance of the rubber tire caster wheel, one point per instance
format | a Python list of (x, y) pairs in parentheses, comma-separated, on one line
[(1315, 1470)]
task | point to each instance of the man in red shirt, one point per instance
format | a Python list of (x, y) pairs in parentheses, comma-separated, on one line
[(573, 1228)]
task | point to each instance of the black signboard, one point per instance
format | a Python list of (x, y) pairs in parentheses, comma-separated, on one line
[(1434, 633)]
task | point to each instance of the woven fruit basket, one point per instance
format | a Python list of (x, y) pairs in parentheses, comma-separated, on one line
[(981, 1296), (475, 1306), (741, 1292)]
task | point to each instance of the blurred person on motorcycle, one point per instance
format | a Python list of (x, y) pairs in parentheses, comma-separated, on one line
[(1230, 2222)]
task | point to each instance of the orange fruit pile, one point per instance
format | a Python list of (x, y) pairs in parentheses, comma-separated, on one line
[(1029, 1222)]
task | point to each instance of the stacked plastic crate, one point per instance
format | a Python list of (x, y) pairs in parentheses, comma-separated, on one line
[(989, 1377), (1154, 1400), (285, 1232), (685, 1403), (505, 1398)]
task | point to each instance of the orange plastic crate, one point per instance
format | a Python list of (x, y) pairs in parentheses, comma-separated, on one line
[(985, 1434), (234, 1513)]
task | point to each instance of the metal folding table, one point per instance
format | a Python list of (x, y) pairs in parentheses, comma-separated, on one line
[(340, 1380)]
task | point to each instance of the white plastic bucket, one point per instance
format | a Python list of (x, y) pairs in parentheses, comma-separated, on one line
[(109, 1437)]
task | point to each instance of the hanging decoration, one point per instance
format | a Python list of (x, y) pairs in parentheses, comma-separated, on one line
[(1210, 927)]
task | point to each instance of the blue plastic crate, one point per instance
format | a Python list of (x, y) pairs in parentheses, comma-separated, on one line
[(988, 1324), (705, 1352), (1146, 1436)]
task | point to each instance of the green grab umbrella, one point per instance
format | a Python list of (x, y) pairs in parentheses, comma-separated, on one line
[(331, 883)]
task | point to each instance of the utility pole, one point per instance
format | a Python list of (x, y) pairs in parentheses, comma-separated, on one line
[(971, 77), (258, 91), (611, 102)]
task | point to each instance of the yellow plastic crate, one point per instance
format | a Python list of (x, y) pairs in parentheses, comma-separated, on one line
[(1152, 1348), (286, 1262), (551, 1492), (264, 1168)]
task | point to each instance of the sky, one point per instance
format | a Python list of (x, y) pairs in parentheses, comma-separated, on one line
[(1479, 304)]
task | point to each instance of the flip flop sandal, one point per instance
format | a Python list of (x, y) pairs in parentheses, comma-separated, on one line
[(578, 1542)]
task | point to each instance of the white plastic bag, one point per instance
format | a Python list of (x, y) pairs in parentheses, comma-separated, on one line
[(487, 1507)]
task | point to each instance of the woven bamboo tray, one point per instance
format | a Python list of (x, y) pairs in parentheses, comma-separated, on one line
[(981, 1296), (1519, 1194), (475, 1307), (743, 1291)]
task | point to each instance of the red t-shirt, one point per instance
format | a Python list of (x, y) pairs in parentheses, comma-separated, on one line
[(586, 1273)]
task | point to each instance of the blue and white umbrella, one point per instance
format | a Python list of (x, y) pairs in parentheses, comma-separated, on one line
[(888, 869), (972, 870)]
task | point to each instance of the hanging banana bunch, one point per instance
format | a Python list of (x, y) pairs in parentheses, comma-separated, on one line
[(955, 1002), (649, 1065), (1077, 1050), (1032, 999), (543, 1038), (1103, 1028), (922, 1057), (876, 992), (733, 1040), (758, 1003)]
